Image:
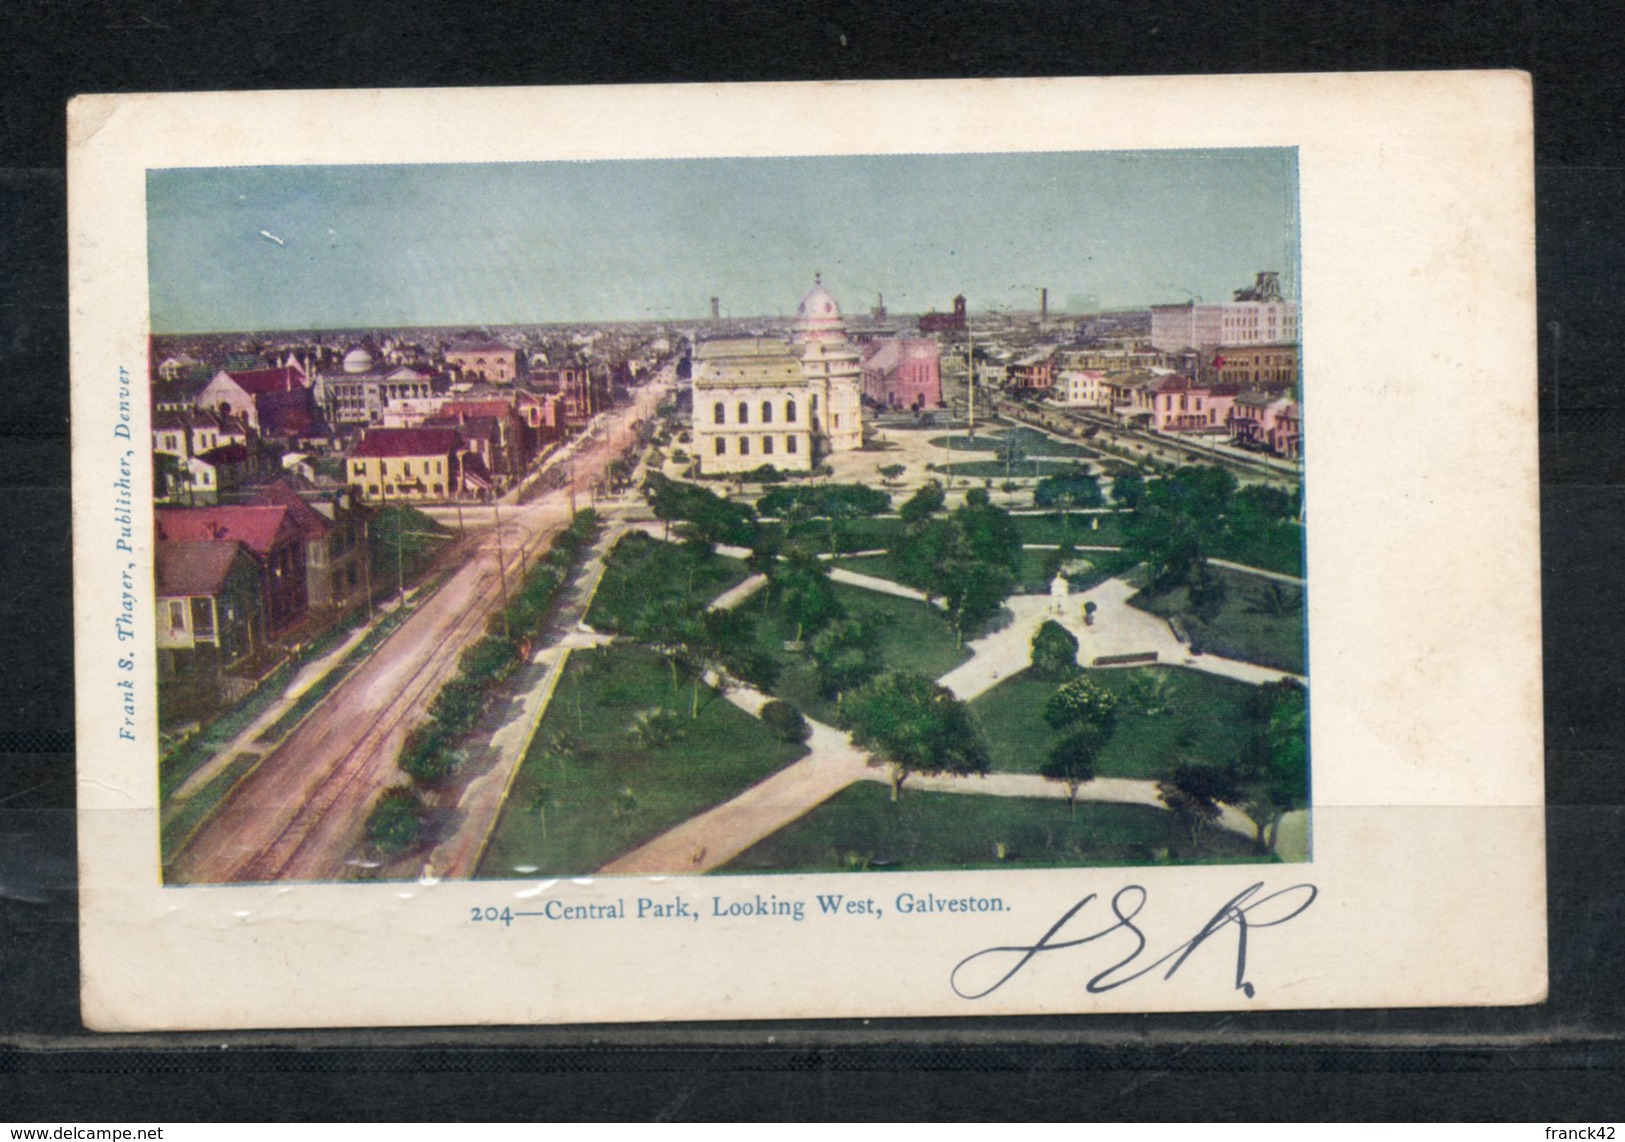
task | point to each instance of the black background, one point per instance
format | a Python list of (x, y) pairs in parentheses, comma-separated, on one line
[(1560, 1061)]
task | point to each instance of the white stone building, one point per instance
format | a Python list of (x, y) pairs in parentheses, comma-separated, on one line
[(763, 401)]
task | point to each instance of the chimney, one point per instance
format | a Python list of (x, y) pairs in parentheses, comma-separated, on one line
[(716, 309), (1043, 304)]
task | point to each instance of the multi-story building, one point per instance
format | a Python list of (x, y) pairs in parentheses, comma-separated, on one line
[(761, 401), (489, 361), (1259, 315), (1183, 406), (270, 536), (903, 373), (1082, 388), (406, 464)]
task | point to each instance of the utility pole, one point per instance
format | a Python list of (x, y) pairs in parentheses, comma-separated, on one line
[(366, 566), (502, 570), (970, 374)]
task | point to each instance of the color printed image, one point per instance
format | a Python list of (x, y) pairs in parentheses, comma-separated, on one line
[(778, 515)]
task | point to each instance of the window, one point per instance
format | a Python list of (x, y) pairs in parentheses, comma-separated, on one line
[(767, 445), (744, 413), (359, 469), (722, 445), (407, 467), (790, 411), (767, 412), (790, 444), (177, 615), (813, 408), (719, 414), (744, 446), (837, 420)]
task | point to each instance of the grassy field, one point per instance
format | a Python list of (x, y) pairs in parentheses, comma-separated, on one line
[(997, 470), (1279, 549), (1031, 577), (1241, 629), (913, 636), (1205, 724), (604, 795), (642, 570), (868, 534), (860, 827), (1078, 528), (1030, 441)]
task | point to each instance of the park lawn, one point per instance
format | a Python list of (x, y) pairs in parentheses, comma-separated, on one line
[(868, 533), (923, 831), (642, 570), (1237, 631), (1103, 565), (1278, 549), (718, 755), (996, 470), (1206, 724), (912, 636), (981, 442), (1078, 529)]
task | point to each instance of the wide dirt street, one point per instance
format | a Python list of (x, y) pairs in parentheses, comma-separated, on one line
[(299, 815)]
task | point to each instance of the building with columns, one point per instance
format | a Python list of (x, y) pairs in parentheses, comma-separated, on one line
[(764, 401)]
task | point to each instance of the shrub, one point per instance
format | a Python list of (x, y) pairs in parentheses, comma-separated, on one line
[(489, 661), (396, 821), (1081, 701), (458, 704), (427, 757), (785, 721), (1055, 652)]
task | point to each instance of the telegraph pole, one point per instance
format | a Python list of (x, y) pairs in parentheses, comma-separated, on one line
[(502, 571)]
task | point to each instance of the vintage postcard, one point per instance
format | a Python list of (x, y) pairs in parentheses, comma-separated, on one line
[(800, 551)]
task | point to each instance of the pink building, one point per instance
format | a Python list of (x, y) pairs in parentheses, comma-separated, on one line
[(1267, 422), (904, 372), (1182, 406)]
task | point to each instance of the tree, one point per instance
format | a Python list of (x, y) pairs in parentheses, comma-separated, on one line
[(1275, 768), (1194, 793), (927, 501), (891, 473), (1071, 760), (1068, 490), (845, 656), (913, 725), (974, 592), (1206, 592), (989, 532), (396, 821), (801, 585), (1081, 701), (1128, 489), (1055, 652)]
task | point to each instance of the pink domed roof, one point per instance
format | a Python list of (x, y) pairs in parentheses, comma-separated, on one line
[(819, 312)]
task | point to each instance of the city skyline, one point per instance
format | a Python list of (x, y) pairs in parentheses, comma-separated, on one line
[(267, 248)]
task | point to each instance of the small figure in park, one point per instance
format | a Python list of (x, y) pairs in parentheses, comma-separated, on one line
[(1058, 588)]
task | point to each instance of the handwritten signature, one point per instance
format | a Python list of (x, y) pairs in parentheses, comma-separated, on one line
[(1241, 911)]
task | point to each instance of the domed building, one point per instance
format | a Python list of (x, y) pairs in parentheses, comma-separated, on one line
[(358, 360), (762, 401)]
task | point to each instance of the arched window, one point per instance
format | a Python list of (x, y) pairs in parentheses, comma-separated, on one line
[(767, 445), (767, 412), (790, 411), (722, 445), (744, 413), (789, 443), (744, 446), (720, 414)]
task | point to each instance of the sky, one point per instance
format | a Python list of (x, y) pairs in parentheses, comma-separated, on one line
[(299, 247)]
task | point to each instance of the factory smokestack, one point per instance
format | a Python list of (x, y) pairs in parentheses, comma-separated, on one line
[(716, 309), (1043, 304)]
